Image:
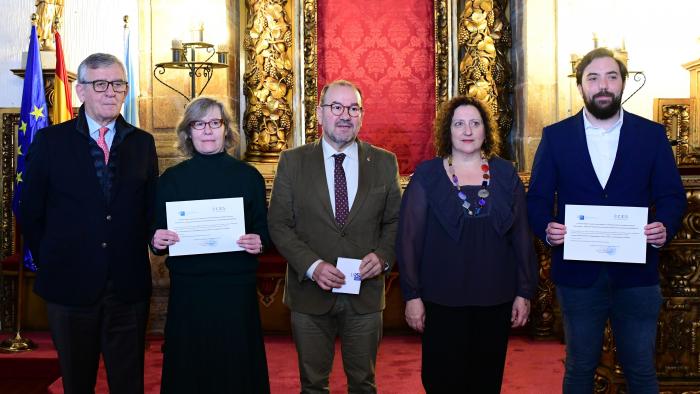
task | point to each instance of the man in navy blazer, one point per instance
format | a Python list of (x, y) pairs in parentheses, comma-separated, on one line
[(86, 205), (606, 156)]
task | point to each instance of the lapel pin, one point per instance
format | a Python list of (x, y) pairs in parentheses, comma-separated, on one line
[(368, 159)]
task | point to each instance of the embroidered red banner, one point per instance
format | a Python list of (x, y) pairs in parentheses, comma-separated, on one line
[(387, 48)]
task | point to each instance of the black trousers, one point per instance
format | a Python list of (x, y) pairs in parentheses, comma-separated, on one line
[(111, 327), (464, 348)]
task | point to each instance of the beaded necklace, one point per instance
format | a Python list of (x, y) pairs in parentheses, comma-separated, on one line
[(483, 193)]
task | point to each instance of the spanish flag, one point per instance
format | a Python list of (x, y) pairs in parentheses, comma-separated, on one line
[(62, 106)]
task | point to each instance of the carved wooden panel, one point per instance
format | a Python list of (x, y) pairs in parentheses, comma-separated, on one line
[(678, 117), (10, 123), (678, 336), (8, 303)]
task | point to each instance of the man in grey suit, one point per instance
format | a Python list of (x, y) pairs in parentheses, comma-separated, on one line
[(337, 197)]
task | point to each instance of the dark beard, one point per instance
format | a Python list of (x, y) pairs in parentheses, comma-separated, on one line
[(606, 112)]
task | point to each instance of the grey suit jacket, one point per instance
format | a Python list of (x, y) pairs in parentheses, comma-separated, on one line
[(303, 228)]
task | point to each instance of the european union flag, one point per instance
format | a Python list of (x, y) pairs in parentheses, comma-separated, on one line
[(33, 117)]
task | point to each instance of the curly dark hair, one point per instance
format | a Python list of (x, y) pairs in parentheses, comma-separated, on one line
[(442, 137)]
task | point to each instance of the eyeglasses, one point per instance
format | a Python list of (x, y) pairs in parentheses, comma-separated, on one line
[(213, 124), (337, 109), (101, 85)]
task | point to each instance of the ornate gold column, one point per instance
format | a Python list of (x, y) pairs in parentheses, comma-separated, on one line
[(484, 42), (442, 52), (268, 79), (310, 70)]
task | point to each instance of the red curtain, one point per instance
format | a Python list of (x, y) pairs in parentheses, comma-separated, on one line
[(387, 48)]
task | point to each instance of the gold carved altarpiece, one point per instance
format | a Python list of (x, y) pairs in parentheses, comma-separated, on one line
[(484, 44)]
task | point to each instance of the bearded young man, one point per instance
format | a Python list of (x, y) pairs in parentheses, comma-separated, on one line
[(606, 156)]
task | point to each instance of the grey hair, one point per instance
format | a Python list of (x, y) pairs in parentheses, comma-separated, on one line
[(195, 110), (97, 60), (339, 82)]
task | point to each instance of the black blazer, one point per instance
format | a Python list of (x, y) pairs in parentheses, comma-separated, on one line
[(77, 238)]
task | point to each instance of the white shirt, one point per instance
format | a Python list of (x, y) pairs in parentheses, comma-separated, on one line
[(602, 147), (351, 167), (95, 127)]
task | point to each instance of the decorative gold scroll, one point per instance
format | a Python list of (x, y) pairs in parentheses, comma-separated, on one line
[(10, 124), (310, 70), (442, 61), (677, 120), (679, 117), (442, 52), (268, 79), (484, 41)]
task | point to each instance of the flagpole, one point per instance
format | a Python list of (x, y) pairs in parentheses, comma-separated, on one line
[(17, 343)]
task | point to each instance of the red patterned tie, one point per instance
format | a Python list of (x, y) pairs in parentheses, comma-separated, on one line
[(103, 144), (341, 191)]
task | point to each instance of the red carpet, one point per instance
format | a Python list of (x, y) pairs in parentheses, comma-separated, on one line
[(532, 367)]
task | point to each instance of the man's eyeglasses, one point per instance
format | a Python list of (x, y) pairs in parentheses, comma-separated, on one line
[(337, 109), (213, 124), (101, 85)]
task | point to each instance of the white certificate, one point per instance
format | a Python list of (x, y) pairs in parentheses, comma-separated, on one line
[(206, 226), (605, 233), (351, 269)]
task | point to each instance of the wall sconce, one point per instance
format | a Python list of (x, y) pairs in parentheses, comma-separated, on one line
[(191, 56)]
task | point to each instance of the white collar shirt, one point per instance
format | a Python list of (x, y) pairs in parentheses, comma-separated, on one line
[(602, 146), (350, 165)]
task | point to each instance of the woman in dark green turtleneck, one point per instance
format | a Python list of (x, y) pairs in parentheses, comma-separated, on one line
[(213, 336)]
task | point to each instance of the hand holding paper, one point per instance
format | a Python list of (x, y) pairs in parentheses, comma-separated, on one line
[(327, 276), (351, 269), (605, 233), (206, 226)]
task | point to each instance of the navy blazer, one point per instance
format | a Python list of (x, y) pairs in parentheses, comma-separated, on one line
[(78, 238), (644, 175)]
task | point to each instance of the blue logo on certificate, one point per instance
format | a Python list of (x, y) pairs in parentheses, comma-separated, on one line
[(356, 276), (182, 213), (580, 217), (609, 250)]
